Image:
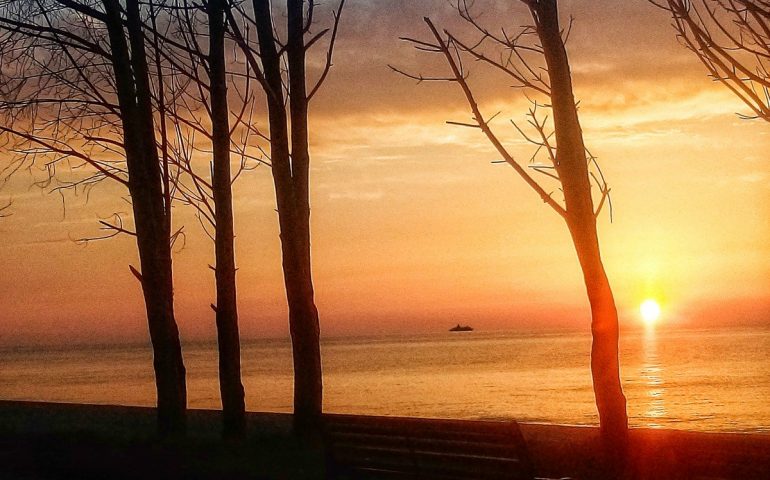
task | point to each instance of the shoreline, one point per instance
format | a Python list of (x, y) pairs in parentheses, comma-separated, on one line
[(64, 440)]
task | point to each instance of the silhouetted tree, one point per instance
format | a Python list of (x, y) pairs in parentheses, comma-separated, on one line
[(270, 59), (77, 91), (731, 38), (535, 59), (233, 403), (204, 75)]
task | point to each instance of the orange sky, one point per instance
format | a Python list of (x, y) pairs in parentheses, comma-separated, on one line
[(414, 229)]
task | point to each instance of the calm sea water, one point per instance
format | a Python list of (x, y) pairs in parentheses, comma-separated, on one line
[(706, 380)]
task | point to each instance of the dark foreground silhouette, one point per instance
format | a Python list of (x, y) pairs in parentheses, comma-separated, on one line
[(57, 441)]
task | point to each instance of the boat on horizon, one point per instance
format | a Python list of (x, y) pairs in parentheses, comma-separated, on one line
[(461, 328)]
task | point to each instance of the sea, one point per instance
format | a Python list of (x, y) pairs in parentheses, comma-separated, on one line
[(711, 380)]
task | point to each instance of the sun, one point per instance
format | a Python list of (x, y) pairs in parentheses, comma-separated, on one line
[(650, 311)]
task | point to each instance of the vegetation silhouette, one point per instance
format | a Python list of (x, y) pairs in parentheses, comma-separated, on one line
[(536, 60), (280, 69), (88, 100), (731, 38), (120, 91)]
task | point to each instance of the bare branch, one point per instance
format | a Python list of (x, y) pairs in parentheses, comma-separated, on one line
[(329, 51), (731, 38), (484, 125)]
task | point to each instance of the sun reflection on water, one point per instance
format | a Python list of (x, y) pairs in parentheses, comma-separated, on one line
[(652, 373)]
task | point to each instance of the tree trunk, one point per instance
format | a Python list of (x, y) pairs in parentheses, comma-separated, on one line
[(150, 212), (572, 167), (230, 386), (305, 336), (290, 175), (308, 385)]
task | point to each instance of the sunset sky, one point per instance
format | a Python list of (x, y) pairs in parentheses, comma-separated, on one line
[(415, 230)]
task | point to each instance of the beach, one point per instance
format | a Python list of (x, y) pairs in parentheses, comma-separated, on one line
[(53, 441)]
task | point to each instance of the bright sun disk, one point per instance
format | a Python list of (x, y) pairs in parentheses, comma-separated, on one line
[(650, 311)]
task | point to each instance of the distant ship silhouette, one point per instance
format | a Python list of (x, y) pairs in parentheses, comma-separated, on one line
[(461, 328)]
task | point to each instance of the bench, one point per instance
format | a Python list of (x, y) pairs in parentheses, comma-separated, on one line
[(367, 447)]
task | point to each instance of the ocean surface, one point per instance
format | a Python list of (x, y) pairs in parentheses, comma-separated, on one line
[(705, 380)]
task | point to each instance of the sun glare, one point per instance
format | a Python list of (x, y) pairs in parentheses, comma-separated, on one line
[(650, 311)]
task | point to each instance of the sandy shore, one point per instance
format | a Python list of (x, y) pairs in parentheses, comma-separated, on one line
[(657, 454), (53, 441)]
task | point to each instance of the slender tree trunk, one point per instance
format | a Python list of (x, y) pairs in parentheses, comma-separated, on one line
[(290, 175), (572, 167), (150, 212), (231, 388), (308, 385), (305, 335)]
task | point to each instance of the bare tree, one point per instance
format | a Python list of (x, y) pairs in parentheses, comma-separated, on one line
[(78, 96), (233, 403), (535, 59), (731, 38), (280, 68), (204, 76)]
